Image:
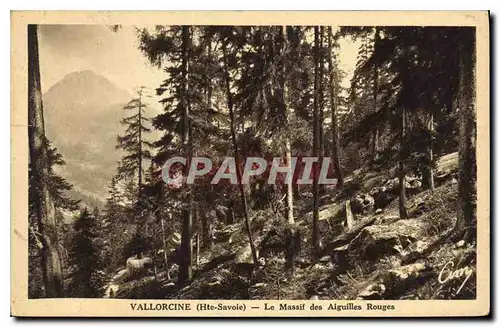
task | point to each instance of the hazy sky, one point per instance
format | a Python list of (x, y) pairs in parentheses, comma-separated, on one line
[(68, 48), (115, 55)]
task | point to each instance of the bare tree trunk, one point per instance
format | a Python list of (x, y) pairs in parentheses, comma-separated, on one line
[(43, 204), (333, 101), (431, 153), (155, 269), (185, 266), (165, 247), (467, 136), (139, 163), (206, 227), (296, 191), (139, 209), (208, 81), (403, 213), (206, 237), (230, 214), (162, 214), (316, 146), (291, 231), (241, 187), (321, 102), (287, 146), (210, 235), (289, 186), (375, 146), (197, 249)]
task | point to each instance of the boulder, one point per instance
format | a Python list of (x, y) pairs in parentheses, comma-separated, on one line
[(221, 212), (244, 265), (387, 219), (346, 237), (392, 185), (325, 259), (224, 234), (273, 242), (371, 180), (376, 241), (399, 280), (446, 165), (349, 217), (169, 287), (325, 215), (137, 267), (362, 203), (412, 182), (120, 276), (244, 255), (372, 292), (218, 260), (144, 288), (382, 197), (258, 285), (395, 282), (323, 267), (326, 212), (416, 248)]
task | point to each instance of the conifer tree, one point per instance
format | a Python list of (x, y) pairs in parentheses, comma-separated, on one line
[(59, 187), (415, 82), (466, 96), (189, 117), (114, 226), (131, 167), (134, 142), (334, 89), (87, 280), (42, 202), (230, 105), (316, 140)]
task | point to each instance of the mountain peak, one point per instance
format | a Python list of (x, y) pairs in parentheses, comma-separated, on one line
[(84, 73), (87, 79), (82, 118), (87, 86)]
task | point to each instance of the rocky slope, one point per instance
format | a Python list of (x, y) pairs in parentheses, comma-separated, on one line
[(375, 256)]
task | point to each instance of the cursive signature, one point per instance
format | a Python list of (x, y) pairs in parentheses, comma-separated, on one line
[(447, 273)]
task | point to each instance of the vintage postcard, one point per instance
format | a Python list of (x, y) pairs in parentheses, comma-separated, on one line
[(250, 164)]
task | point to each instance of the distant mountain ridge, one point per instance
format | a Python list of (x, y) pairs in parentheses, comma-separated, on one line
[(78, 85), (82, 117)]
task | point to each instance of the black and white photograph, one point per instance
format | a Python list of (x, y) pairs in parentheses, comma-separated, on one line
[(253, 162)]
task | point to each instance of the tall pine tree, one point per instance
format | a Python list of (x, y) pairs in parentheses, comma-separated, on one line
[(131, 166), (86, 278), (43, 204)]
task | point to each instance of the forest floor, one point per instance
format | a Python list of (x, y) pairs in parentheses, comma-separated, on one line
[(380, 257)]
